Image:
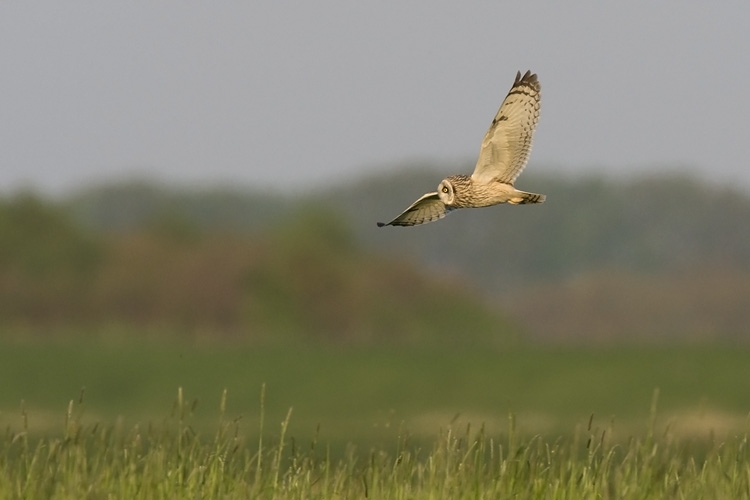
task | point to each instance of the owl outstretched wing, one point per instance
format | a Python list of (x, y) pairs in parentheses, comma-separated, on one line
[(507, 144), (426, 209)]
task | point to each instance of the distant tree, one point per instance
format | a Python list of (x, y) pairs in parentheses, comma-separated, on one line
[(47, 263)]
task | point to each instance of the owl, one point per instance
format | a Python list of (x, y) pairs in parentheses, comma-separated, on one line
[(503, 155)]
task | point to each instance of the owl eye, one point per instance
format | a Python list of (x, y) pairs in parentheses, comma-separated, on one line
[(445, 189)]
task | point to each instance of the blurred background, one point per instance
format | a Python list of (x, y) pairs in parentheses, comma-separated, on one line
[(188, 198)]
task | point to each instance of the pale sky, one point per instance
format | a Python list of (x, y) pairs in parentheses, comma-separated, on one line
[(269, 93)]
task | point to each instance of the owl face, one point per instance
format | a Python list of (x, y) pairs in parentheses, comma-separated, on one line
[(446, 193)]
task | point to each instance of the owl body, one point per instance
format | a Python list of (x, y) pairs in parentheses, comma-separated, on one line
[(504, 153), (461, 191)]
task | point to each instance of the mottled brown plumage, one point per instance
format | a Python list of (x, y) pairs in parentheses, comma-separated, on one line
[(504, 153)]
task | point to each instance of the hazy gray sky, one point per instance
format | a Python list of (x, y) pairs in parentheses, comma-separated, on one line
[(268, 92)]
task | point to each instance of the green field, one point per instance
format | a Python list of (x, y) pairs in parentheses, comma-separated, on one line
[(105, 417), (354, 395)]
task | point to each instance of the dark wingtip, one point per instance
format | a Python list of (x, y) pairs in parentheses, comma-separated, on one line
[(528, 78), (380, 224)]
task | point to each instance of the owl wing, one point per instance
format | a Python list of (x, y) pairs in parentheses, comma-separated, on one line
[(426, 209), (507, 144)]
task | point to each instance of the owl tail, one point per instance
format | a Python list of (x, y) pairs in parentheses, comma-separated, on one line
[(522, 198)]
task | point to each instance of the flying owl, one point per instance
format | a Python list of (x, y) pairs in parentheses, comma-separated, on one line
[(503, 155)]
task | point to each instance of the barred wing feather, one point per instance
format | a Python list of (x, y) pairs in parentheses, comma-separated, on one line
[(507, 144), (428, 208)]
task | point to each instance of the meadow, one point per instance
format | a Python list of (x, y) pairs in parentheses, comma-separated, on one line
[(177, 418), (357, 393)]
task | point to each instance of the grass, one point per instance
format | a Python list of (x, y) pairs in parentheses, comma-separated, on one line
[(527, 422), (357, 394), (172, 460)]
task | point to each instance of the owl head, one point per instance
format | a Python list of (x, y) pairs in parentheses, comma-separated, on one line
[(446, 192)]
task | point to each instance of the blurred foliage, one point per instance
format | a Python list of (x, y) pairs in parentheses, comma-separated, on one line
[(655, 225), (36, 239), (46, 263), (665, 256), (136, 204), (709, 303), (305, 278)]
